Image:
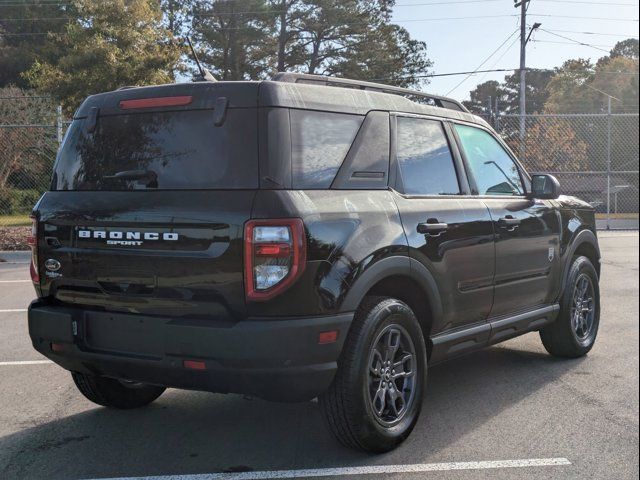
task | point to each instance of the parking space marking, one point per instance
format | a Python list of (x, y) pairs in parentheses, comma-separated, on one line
[(25, 362), (15, 281), (364, 470), (13, 310)]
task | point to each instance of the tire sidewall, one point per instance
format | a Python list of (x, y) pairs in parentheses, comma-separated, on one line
[(579, 266), (385, 313)]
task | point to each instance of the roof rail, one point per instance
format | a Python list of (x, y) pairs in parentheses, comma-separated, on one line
[(420, 97)]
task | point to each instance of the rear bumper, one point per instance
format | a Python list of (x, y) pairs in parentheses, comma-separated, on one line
[(273, 359)]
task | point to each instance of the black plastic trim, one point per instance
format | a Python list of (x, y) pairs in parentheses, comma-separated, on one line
[(451, 344)]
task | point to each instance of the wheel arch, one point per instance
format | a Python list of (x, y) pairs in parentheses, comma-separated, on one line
[(403, 278), (585, 243)]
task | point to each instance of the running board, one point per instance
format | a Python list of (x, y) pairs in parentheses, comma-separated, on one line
[(452, 344)]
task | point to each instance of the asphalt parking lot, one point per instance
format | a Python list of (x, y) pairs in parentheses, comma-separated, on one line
[(512, 402)]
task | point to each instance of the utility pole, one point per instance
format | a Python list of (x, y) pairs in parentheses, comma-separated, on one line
[(609, 163), (523, 65), (524, 39)]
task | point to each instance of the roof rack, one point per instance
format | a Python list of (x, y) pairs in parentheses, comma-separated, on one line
[(420, 97)]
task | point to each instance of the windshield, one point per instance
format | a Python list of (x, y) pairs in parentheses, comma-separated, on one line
[(160, 150)]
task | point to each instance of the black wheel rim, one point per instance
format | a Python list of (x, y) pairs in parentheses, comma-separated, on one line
[(583, 308), (392, 375)]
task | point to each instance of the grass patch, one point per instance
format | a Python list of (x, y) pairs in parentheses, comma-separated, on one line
[(14, 220)]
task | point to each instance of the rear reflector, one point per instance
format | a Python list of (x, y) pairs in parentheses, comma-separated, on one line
[(58, 347), (328, 337), (32, 241), (275, 250), (156, 102), (194, 365)]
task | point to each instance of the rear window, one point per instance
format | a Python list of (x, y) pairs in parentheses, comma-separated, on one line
[(319, 143), (160, 150), (424, 157)]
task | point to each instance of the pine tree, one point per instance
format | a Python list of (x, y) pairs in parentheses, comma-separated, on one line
[(110, 44)]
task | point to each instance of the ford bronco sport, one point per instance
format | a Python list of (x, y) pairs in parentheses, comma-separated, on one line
[(297, 238)]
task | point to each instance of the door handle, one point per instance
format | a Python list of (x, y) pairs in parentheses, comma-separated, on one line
[(509, 222), (433, 228)]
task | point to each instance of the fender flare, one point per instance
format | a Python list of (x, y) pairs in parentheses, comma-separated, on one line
[(584, 236), (388, 267)]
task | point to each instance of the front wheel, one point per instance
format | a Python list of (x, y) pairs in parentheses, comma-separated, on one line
[(375, 399), (574, 332)]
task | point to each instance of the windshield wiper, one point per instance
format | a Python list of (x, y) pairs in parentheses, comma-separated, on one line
[(149, 175)]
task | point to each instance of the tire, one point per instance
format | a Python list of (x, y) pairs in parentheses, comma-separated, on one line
[(574, 337), (350, 405), (109, 392)]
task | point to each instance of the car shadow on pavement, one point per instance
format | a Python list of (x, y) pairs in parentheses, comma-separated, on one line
[(191, 432)]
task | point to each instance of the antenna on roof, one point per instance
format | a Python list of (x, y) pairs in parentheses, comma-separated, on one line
[(205, 75)]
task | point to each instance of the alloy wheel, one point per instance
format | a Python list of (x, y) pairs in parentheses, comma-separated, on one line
[(392, 379)]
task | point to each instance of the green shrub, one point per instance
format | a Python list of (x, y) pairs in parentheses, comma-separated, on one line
[(18, 202)]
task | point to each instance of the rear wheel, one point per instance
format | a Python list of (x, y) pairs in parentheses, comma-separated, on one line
[(109, 392), (376, 396), (574, 333)]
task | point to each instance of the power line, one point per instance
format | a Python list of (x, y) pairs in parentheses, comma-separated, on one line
[(573, 40), (515, 40), (443, 3), (476, 17), (572, 43), (485, 61), (472, 72), (591, 3), (594, 33), (585, 18)]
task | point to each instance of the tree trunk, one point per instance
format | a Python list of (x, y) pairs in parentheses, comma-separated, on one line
[(282, 38), (313, 61)]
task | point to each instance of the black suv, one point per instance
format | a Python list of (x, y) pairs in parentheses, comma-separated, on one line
[(297, 238)]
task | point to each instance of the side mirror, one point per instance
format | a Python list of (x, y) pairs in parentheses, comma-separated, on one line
[(545, 187)]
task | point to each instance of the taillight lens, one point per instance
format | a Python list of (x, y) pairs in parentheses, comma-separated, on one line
[(32, 240), (275, 256)]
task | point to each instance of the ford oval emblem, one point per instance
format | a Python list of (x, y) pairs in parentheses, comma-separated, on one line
[(52, 265)]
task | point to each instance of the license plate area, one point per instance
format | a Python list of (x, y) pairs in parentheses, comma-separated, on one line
[(131, 335)]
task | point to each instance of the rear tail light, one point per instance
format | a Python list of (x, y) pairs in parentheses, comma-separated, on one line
[(32, 240), (275, 256)]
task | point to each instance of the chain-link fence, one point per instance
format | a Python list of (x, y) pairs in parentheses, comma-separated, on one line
[(595, 157), (31, 130)]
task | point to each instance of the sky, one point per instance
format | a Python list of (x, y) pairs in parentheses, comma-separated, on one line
[(462, 44)]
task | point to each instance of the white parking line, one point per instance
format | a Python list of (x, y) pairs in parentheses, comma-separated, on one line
[(15, 281), (13, 310), (364, 470), (25, 362)]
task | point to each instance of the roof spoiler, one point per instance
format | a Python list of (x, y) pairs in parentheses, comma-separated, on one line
[(420, 97)]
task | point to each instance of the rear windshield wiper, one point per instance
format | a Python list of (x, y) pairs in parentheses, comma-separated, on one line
[(149, 175)]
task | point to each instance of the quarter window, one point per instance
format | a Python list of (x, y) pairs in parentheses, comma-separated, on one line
[(492, 167), (424, 157), (319, 143)]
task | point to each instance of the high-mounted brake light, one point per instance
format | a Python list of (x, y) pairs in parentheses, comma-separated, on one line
[(156, 102), (32, 241), (274, 256), (194, 364)]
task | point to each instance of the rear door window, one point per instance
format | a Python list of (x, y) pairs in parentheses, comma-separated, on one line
[(160, 150), (424, 157), (319, 143)]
